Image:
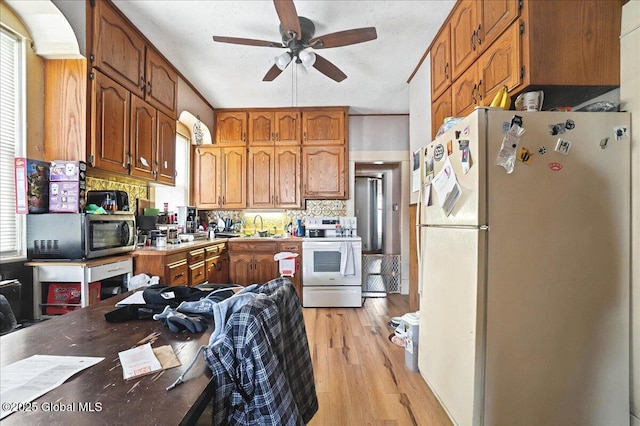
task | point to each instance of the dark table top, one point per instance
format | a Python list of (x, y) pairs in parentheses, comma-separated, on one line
[(85, 332)]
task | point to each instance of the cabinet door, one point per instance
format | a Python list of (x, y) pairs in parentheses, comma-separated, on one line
[(323, 128), (324, 172), (500, 64), (223, 268), (206, 177), (440, 109), (464, 93), (118, 49), (265, 268), (287, 177), (110, 107), (441, 63), (241, 269), (495, 17), (287, 128), (261, 179), (294, 247), (166, 165), (162, 84), (231, 128), (143, 139), (234, 178), (464, 48), (261, 128), (218, 269)]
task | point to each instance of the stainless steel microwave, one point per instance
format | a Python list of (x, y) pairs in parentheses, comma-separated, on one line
[(71, 236)]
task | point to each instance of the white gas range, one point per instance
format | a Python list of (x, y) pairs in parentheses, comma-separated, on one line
[(331, 263)]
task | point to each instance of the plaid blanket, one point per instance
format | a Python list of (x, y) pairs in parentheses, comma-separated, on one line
[(262, 368)]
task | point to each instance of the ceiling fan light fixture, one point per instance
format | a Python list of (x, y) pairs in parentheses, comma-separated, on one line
[(282, 60), (307, 58)]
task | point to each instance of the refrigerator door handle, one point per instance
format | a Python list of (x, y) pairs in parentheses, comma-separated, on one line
[(481, 227)]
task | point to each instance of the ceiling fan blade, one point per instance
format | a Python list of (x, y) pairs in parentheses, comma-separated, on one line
[(247, 41), (288, 17), (273, 72), (344, 38), (328, 69)]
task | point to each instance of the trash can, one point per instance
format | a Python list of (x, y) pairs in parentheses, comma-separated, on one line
[(411, 322)]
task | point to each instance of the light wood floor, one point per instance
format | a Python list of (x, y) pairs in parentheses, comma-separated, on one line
[(360, 376)]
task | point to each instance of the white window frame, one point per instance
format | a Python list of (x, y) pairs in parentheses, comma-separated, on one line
[(177, 195), (12, 144)]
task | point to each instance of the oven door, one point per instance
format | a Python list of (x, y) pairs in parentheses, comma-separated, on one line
[(322, 263)]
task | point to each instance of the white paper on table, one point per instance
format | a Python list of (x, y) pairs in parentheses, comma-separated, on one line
[(139, 361), (30, 378), (447, 187)]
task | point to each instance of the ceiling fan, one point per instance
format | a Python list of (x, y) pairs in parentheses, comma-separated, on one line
[(298, 36)]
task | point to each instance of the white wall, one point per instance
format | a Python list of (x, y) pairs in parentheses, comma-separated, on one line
[(420, 108), (384, 138), (630, 101)]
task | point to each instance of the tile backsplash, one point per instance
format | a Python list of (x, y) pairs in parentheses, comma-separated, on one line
[(276, 221), (133, 189)]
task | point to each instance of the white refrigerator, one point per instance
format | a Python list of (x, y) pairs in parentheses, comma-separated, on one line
[(524, 306)]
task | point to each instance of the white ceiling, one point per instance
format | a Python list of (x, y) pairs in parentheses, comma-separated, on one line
[(230, 76)]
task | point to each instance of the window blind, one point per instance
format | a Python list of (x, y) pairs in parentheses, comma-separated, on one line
[(12, 228)]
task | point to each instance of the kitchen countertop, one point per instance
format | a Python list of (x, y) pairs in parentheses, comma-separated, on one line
[(190, 245)]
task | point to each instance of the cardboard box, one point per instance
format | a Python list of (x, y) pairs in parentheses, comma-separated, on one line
[(32, 185), (63, 293), (67, 197), (65, 171)]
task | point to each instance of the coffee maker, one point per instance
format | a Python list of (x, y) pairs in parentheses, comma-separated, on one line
[(188, 219)]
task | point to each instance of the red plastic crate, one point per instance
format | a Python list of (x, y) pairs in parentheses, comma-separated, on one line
[(62, 293)]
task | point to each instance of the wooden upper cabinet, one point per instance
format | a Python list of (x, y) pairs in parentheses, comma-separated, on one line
[(261, 128), (287, 177), (323, 128), (261, 179), (143, 139), (464, 45), (234, 177), (287, 128), (464, 93), (206, 177), (231, 128), (110, 118), (122, 53), (324, 171), (500, 65), (118, 50), (495, 17), (441, 62), (166, 140), (161, 84), (440, 109)]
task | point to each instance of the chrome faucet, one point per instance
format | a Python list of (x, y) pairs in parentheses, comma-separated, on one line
[(261, 222)]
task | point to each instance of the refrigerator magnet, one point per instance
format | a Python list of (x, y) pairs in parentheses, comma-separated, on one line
[(449, 147), (542, 150), (525, 155), (438, 152), (604, 143), (556, 167), (563, 146), (620, 132), (465, 155), (557, 129)]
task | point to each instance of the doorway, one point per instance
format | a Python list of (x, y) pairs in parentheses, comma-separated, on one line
[(369, 209)]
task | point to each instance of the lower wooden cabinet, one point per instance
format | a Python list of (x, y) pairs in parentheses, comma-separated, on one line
[(251, 261), (184, 265)]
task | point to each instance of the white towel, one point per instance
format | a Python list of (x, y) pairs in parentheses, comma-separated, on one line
[(347, 262)]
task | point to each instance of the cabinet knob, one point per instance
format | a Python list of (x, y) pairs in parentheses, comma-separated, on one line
[(473, 41), (149, 88), (446, 71), (478, 38), (142, 82)]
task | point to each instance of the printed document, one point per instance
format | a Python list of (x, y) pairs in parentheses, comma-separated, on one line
[(30, 378)]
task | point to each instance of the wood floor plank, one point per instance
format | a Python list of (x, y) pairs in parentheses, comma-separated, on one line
[(360, 376)]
